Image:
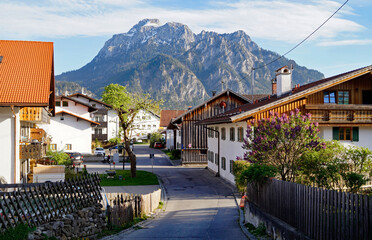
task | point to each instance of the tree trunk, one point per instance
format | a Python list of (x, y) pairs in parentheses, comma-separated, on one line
[(133, 159)]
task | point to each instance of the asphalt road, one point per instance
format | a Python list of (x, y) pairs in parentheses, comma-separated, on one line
[(199, 206)]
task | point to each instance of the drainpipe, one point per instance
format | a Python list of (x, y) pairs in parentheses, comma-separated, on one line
[(218, 151), (15, 144)]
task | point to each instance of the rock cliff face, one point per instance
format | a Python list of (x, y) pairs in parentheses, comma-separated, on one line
[(169, 61)]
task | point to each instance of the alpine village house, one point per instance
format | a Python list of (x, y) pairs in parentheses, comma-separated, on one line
[(340, 104), (26, 100)]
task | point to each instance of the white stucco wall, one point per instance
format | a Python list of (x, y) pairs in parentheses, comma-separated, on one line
[(145, 119), (7, 145), (170, 139), (228, 149), (70, 131), (112, 124), (76, 109), (365, 137)]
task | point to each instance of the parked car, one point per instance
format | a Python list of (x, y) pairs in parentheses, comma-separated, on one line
[(158, 145), (99, 151), (76, 158)]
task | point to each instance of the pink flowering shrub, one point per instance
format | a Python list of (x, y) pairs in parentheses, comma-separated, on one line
[(280, 141)]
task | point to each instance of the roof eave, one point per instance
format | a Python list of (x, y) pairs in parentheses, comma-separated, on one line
[(304, 93)]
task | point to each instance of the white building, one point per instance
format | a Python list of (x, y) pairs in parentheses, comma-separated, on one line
[(105, 116), (71, 128), (341, 105), (144, 124), (172, 130), (26, 82)]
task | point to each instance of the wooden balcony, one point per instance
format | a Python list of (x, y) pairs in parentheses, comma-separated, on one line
[(34, 115), (338, 113), (32, 150)]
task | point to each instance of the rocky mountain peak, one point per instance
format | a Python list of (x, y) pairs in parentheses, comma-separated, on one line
[(169, 61)]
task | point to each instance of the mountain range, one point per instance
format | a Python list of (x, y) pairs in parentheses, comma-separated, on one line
[(171, 62)]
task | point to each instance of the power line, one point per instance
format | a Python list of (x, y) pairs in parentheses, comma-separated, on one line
[(293, 48)]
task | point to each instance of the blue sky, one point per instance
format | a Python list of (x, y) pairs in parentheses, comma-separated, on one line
[(79, 28)]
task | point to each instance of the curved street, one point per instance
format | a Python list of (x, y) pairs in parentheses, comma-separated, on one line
[(199, 206)]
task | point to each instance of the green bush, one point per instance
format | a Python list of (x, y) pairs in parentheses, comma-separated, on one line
[(60, 158), (18, 232), (238, 167), (155, 137), (257, 173), (115, 140), (354, 181), (176, 153)]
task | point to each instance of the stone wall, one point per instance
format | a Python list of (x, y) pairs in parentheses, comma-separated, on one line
[(85, 223)]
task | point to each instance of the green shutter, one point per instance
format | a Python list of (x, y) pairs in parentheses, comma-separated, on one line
[(336, 133), (355, 134)]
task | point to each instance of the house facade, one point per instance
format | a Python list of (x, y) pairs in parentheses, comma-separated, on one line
[(71, 128), (342, 105), (144, 124), (194, 141), (26, 99), (172, 131), (106, 117)]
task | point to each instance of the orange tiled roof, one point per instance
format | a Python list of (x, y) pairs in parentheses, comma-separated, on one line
[(167, 115), (26, 73)]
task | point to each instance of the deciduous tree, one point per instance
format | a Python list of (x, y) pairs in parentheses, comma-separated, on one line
[(127, 106)]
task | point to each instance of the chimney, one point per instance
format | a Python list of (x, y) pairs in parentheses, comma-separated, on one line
[(214, 93), (273, 86), (283, 80)]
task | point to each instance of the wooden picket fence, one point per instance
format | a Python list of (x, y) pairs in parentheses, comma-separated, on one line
[(317, 212), (122, 208), (37, 203)]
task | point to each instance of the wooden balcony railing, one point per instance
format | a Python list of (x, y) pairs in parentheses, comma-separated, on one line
[(34, 114), (32, 150), (333, 113)]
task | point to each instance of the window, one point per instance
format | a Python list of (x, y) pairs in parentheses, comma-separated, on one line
[(346, 133), (143, 126), (154, 126), (58, 103), (223, 163), (329, 97), (343, 97), (240, 134), (232, 134), (68, 147), (216, 159), (65, 104), (216, 133), (93, 105), (212, 155), (53, 146), (231, 166), (223, 133), (98, 131), (148, 126)]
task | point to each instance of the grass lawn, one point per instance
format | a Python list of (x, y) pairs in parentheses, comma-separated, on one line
[(143, 178)]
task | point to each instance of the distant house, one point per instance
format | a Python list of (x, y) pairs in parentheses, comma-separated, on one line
[(342, 105), (194, 137), (106, 117), (144, 124), (71, 128), (173, 131), (26, 99)]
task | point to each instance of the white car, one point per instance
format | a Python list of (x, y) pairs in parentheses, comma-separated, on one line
[(99, 151)]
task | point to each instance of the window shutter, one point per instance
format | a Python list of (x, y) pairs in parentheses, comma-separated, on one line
[(336, 133), (355, 134)]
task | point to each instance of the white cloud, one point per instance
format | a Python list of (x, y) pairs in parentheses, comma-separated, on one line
[(346, 42), (288, 21)]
